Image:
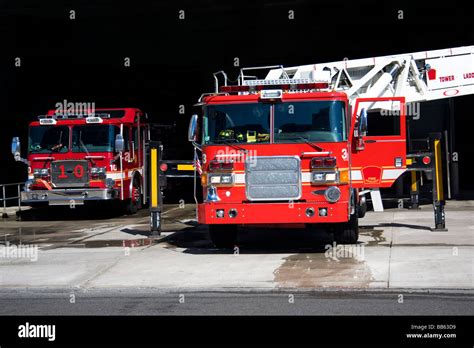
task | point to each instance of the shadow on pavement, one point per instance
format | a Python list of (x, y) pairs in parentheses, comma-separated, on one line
[(395, 224), (253, 241)]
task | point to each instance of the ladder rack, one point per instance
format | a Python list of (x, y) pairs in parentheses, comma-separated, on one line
[(419, 76)]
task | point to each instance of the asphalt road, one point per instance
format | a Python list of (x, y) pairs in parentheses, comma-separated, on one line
[(148, 302), (113, 266)]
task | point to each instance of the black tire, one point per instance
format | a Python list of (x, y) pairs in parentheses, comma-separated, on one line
[(38, 205), (347, 232), (133, 205), (223, 236), (362, 208)]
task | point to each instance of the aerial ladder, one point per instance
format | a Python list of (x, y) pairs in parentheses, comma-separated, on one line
[(420, 76), (417, 77)]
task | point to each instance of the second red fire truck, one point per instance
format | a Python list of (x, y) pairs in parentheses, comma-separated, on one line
[(82, 156)]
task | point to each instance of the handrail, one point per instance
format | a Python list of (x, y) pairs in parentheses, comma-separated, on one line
[(4, 198)]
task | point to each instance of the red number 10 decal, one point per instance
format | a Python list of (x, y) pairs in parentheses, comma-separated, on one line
[(78, 172), (63, 172)]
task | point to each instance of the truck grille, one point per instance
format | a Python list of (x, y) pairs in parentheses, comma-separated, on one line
[(70, 173), (273, 178)]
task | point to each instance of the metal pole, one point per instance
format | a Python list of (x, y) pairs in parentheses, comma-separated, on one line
[(438, 190), (19, 202), (5, 215), (155, 199), (414, 192)]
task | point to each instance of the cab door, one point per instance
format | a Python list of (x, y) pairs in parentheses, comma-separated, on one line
[(378, 158)]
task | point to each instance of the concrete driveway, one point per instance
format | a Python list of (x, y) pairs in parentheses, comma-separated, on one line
[(397, 250)]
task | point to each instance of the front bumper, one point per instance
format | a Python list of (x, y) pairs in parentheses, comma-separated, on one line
[(273, 213), (67, 196)]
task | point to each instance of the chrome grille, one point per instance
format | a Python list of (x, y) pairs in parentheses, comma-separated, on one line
[(273, 178)]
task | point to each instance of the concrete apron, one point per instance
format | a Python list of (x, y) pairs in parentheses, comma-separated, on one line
[(397, 250)]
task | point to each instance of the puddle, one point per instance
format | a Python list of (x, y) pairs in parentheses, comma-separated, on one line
[(129, 243), (316, 270), (38, 235), (55, 227), (377, 235)]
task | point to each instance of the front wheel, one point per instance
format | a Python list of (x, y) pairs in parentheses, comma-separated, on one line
[(347, 232), (223, 236), (134, 203)]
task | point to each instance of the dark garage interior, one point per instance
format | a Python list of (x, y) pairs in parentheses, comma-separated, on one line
[(172, 59)]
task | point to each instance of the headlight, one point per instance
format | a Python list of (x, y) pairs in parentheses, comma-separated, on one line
[(324, 177), (332, 194), (40, 172), (98, 171), (223, 179)]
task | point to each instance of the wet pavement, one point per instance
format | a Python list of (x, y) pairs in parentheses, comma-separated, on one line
[(94, 249)]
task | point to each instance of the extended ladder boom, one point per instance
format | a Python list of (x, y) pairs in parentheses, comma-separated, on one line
[(420, 76)]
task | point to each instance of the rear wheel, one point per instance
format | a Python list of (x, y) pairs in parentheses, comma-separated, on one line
[(223, 236), (362, 208), (347, 232), (134, 203)]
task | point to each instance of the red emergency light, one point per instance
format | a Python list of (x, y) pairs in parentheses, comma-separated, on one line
[(231, 89), (219, 165), (323, 162)]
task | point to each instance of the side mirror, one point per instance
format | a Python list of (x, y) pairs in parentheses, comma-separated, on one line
[(119, 143), (362, 123), (192, 130), (361, 130), (16, 147)]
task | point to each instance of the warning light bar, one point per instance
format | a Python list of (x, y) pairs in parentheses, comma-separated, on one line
[(271, 94), (94, 119), (47, 121), (286, 86)]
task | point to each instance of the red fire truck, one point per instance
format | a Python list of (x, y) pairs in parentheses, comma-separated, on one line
[(297, 147), (76, 157)]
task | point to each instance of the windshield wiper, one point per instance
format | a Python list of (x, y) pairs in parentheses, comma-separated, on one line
[(319, 148), (58, 146), (224, 141)]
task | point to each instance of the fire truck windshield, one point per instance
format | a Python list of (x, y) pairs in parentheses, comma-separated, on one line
[(237, 123), (314, 121), (93, 138), (47, 139), (294, 122)]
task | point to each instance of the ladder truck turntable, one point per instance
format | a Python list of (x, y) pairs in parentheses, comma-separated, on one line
[(295, 148)]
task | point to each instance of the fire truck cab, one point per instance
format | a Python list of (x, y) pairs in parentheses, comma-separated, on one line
[(299, 154), (77, 157)]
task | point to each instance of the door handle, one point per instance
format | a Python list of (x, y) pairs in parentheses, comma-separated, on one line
[(370, 141)]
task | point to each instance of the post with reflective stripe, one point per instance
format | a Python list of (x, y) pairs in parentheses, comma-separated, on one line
[(438, 189), (414, 192), (155, 190)]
